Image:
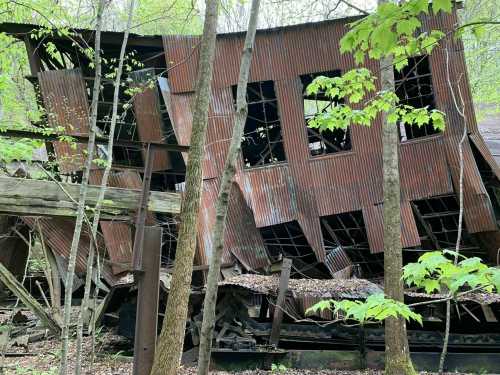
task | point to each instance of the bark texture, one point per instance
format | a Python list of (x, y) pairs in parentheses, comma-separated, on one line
[(397, 353), (83, 193), (460, 109), (169, 348), (84, 310), (228, 173)]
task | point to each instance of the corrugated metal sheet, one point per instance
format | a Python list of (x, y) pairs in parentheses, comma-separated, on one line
[(306, 188), (480, 144), (149, 123), (118, 236), (373, 217), (58, 235), (65, 100)]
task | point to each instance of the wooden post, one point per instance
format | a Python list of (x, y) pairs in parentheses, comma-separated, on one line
[(19, 291), (278, 309), (147, 302)]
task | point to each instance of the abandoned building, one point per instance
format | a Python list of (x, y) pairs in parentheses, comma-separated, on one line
[(312, 197)]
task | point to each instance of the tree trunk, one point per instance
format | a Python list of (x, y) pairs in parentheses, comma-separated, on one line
[(224, 194), (51, 273), (83, 193), (84, 310), (170, 344), (397, 353), (460, 109)]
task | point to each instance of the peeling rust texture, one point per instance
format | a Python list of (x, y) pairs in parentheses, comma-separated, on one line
[(304, 188), (118, 236), (58, 235), (65, 100), (148, 117)]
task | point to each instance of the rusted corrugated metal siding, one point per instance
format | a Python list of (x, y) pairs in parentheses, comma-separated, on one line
[(118, 236), (480, 144), (65, 100), (149, 124), (305, 188), (478, 214), (243, 239), (373, 217), (58, 235)]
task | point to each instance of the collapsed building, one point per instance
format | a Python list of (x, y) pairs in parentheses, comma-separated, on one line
[(313, 197)]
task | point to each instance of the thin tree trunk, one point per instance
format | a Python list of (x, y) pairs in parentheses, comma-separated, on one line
[(224, 194), (170, 344), (397, 353), (52, 274), (83, 193), (84, 310), (460, 110)]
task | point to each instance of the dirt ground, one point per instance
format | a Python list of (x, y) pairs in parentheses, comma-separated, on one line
[(42, 358)]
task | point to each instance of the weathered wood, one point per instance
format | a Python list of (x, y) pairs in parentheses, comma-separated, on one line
[(38, 197), (280, 301), (10, 281)]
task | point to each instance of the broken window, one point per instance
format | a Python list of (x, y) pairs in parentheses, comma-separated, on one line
[(414, 87), (437, 224), (346, 232), (287, 240), (326, 141), (262, 141)]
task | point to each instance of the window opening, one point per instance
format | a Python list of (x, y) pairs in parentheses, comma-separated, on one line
[(322, 142), (262, 142), (414, 87), (437, 224), (346, 233), (287, 240)]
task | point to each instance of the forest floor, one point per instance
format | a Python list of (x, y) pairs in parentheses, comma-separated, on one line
[(42, 358)]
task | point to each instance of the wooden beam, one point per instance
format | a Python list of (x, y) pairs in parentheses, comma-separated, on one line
[(26, 197), (280, 301), (10, 281), (12, 133)]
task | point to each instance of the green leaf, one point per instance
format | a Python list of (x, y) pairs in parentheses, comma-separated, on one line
[(444, 5), (430, 285)]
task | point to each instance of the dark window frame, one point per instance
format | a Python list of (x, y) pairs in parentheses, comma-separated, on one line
[(326, 142), (414, 87), (263, 143)]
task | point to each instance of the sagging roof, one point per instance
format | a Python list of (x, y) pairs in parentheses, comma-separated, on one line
[(334, 289), (338, 289)]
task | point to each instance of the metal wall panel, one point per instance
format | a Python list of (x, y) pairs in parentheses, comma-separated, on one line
[(65, 100), (118, 236), (149, 122), (58, 235), (304, 188)]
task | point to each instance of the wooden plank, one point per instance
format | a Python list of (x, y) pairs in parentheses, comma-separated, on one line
[(489, 315), (280, 301), (38, 197), (19, 291)]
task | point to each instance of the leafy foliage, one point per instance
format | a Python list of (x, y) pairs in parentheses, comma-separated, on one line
[(390, 31), (376, 308), (434, 271), (354, 86)]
